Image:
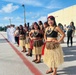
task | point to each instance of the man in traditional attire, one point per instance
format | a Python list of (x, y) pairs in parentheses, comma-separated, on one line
[(12, 30), (8, 33)]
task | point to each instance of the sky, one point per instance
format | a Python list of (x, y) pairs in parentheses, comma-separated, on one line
[(35, 10)]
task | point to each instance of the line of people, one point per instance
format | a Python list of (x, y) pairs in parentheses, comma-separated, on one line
[(42, 39)]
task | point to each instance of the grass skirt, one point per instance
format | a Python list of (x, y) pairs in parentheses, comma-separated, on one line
[(37, 50), (21, 43), (27, 45), (53, 58)]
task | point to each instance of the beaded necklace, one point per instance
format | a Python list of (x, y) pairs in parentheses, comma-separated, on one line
[(36, 33)]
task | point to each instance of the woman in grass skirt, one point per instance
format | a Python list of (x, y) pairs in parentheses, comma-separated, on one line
[(27, 42), (53, 54), (22, 38), (37, 42)]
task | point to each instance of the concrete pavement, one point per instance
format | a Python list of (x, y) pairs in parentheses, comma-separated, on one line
[(12, 63)]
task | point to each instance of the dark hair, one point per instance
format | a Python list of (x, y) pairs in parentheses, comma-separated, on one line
[(18, 28), (46, 23), (52, 18), (73, 25), (12, 25), (25, 25), (35, 23), (21, 30), (21, 27), (60, 26), (40, 23)]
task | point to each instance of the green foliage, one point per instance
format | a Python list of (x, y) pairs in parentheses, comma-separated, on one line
[(2, 28)]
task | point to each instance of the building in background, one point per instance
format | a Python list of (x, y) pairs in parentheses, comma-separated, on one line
[(66, 15)]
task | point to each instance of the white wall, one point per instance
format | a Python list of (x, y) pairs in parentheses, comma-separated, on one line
[(65, 16)]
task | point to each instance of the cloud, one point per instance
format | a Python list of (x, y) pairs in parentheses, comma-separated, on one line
[(7, 18), (9, 8), (35, 16), (18, 18), (14, 20), (54, 4), (43, 19), (27, 2)]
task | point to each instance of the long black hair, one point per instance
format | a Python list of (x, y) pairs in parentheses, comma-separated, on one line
[(40, 23), (35, 23), (21, 30), (73, 24)]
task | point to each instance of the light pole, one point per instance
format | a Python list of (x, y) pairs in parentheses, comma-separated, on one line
[(24, 13), (10, 21)]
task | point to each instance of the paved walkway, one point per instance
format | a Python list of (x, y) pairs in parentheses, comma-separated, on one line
[(14, 62)]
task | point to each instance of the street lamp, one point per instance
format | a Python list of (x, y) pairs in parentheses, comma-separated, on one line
[(24, 13), (10, 21)]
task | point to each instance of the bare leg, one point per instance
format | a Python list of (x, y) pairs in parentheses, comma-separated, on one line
[(39, 58), (35, 58), (54, 71), (29, 52), (24, 49), (49, 71)]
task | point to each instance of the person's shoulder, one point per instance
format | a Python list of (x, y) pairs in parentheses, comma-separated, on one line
[(32, 30), (68, 26), (57, 27), (47, 28)]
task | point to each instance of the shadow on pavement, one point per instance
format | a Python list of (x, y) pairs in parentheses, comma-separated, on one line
[(69, 71), (70, 53), (3, 41)]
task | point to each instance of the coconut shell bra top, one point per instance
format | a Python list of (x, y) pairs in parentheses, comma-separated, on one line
[(51, 33), (37, 34)]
